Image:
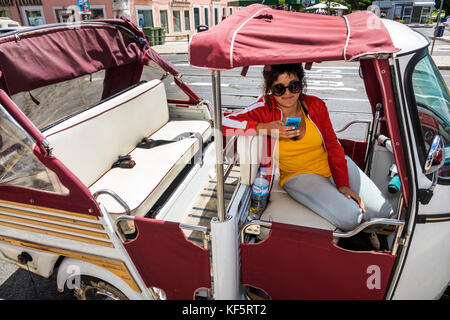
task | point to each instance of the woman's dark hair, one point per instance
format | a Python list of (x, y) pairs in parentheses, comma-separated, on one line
[(270, 76)]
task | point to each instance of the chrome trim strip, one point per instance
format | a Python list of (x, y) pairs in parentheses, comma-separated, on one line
[(366, 224)]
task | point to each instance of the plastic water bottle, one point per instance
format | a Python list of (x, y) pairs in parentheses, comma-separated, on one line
[(395, 184), (260, 193)]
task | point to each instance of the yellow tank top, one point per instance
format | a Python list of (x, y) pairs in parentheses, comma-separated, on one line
[(306, 155)]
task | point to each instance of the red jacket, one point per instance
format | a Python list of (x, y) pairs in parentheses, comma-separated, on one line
[(244, 123)]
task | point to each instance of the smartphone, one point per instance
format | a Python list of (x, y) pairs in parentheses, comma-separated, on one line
[(293, 122)]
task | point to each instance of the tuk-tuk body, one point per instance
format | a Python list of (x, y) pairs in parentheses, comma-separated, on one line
[(303, 256), (112, 169)]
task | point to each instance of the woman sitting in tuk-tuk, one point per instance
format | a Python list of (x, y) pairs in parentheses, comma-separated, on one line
[(313, 167)]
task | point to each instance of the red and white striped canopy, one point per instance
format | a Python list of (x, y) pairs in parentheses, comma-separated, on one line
[(259, 35)]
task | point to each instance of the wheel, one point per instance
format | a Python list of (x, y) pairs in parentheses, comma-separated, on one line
[(94, 289)]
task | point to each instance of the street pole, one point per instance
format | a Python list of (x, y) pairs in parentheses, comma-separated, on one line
[(437, 26)]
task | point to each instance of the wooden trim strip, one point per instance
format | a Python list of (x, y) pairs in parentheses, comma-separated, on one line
[(57, 234), (75, 214), (54, 218), (438, 219), (54, 226), (119, 268), (430, 218)]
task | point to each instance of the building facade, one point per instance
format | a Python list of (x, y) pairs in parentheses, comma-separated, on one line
[(408, 11), (180, 18)]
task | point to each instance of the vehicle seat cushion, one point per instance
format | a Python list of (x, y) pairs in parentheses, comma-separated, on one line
[(90, 142), (283, 208), (141, 186)]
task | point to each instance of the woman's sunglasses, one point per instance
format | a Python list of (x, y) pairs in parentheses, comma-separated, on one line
[(294, 87)]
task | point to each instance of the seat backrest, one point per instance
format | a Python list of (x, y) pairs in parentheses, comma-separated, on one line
[(249, 149), (90, 142)]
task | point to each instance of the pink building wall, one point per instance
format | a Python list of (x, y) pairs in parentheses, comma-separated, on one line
[(170, 6), (48, 10), (48, 7)]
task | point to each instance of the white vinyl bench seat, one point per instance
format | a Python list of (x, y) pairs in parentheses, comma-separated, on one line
[(156, 168), (90, 142), (281, 207)]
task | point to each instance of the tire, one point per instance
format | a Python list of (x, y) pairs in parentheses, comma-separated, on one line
[(94, 289)]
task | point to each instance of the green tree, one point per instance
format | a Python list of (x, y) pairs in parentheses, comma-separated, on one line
[(445, 6), (355, 5)]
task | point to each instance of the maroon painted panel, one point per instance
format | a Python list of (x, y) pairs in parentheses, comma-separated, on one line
[(356, 150), (166, 260), (303, 263)]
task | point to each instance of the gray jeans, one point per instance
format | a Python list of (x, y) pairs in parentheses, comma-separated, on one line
[(321, 196)]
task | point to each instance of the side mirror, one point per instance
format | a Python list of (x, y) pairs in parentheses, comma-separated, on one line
[(435, 160), (436, 157)]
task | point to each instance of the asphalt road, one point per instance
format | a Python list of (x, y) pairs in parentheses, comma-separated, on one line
[(441, 48), (338, 84)]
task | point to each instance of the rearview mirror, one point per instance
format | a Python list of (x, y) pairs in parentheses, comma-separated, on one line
[(435, 157), (435, 160)]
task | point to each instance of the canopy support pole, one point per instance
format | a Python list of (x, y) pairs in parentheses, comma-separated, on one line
[(217, 98)]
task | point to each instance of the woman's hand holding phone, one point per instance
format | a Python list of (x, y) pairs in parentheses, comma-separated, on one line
[(277, 129)]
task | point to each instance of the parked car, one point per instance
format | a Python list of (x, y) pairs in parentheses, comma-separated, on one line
[(5, 22)]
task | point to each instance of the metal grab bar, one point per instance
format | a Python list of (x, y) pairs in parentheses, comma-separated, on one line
[(260, 223), (366, 224), (115, 197), (202, 229), (118, 230), (368, 122), (336, 234), (370, 142)]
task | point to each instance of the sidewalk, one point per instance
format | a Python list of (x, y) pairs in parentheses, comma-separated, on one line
[(181, 47), (172, 47)]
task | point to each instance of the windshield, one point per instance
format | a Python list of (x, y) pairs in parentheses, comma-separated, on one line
[(154, 71), (50, 104), (433, 106), (18, 165)]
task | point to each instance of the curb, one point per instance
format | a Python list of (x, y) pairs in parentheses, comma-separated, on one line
[(420, 25), (168, 51), (442, 62)]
